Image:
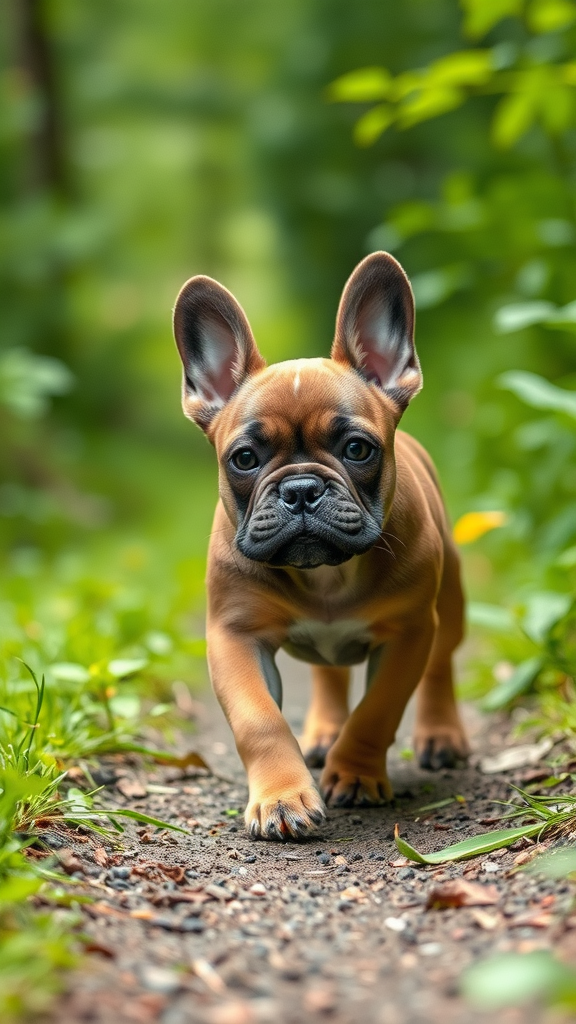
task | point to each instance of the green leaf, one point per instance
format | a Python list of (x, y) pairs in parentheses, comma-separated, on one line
[(432, 287), (511, 978), (538, 392), (544, 610), (520, 682), (491, 616), (125, 705), (145, 819), (370, 126), (550, 15), (484, 843), (557, 863), (122, 667), (159, 643), (512, 119), (18, 888), (70, 672), (466, 67), (482, 15), (517, 315), (430, 102), (363, 85)]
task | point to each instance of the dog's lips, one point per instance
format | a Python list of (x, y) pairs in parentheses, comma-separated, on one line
[(305, 552)]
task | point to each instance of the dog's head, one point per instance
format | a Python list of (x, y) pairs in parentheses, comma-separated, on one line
[(305, 447)]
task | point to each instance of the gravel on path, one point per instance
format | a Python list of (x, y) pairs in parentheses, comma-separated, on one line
[(209, 927)]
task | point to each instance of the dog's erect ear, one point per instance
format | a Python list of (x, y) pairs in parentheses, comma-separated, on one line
[(375, 327), (216, 346)]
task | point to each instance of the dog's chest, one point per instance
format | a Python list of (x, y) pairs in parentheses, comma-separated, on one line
[(341, 642)]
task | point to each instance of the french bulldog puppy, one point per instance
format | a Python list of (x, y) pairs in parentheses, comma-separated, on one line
[(330, 540)]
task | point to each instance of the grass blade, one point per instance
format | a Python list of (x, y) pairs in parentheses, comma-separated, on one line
[(484, 843)]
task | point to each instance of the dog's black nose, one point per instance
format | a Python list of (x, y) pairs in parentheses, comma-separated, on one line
[(301, 493)]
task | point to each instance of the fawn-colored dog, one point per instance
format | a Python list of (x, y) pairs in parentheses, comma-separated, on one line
[(330, 540)]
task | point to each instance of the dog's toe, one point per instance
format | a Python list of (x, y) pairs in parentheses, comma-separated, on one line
[(288, 817), (444, 748), (345, 789)]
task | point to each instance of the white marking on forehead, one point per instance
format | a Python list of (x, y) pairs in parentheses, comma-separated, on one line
[(297, 382)]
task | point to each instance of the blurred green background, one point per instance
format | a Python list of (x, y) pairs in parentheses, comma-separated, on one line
[(142, 143)]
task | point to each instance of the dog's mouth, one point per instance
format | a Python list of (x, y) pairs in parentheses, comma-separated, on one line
[(306, 521), (318, 543), (308, 552)]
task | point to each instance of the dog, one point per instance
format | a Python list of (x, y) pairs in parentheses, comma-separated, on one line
[(331, 541)]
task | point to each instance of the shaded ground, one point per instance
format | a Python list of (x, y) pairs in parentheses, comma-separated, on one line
[(213, 928)]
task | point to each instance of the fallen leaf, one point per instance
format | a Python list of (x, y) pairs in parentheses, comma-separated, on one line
[(352, 893), (526, 856), (99, 947), (190, 760), (516, 757), (131, 788), (70, 861), (174, 871), (100, 856), (457, 892), (488, 922)]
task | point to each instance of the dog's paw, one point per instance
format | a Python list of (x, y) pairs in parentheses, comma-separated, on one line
[(316, 744), (440, 746), (341, 788), (293, 814)]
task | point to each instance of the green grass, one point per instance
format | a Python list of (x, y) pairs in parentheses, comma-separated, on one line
[(95, 626)]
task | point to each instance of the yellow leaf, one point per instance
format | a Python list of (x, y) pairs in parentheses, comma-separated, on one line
[(473, 525)]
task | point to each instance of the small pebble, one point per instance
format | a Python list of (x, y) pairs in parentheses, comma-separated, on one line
[(430, 949), (395, 924), (324, 858), (192, 924), (258, 889), (120, 872), (53, 840), (160, 979), (405, 873)]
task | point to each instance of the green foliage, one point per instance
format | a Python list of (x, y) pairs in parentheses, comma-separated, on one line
[(544, 815), (535, 87), (513, 978)]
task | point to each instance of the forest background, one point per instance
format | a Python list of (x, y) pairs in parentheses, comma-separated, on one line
[(272, 147)]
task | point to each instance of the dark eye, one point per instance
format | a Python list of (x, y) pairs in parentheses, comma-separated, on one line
[(245, 459), (358, 450)]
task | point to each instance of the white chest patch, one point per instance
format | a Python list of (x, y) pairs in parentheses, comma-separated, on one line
[(342, 642)]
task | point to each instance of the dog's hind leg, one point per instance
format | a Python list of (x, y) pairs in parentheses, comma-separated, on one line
[(439, 736), (327, 712)]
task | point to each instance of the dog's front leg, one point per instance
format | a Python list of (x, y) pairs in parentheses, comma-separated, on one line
[(355, 772), (283, 800)]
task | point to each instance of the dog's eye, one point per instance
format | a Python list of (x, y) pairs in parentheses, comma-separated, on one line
[(245, 459), (358, 450)]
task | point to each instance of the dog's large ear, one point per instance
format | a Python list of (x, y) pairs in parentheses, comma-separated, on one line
[(375, 328), (216, 346)]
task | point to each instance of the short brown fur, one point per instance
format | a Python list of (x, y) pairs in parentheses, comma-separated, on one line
[(404, 591)]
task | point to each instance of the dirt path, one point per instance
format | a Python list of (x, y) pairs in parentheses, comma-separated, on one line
[(211, 928)]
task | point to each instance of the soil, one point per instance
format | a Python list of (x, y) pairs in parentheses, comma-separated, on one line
[(210, 927)]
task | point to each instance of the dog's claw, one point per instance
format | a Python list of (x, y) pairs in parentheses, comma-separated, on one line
[(292, 817), (442, 751), (344, 789), (316, 756)]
